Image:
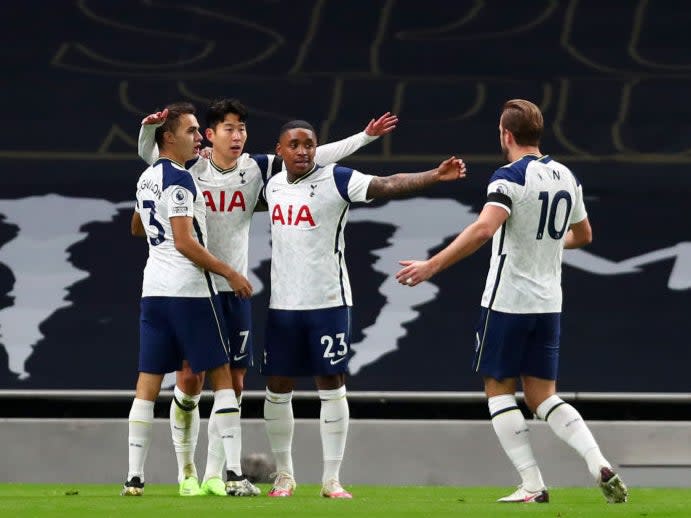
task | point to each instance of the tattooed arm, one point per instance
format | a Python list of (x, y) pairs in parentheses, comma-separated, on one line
[(406, 183)]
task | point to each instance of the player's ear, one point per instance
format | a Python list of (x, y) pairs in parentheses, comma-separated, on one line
[(169, 137), (209, 133), (278, 149)]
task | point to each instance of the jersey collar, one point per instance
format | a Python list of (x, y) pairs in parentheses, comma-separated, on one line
[(220, 169), (306, 175), (531, 156), (161, 159)]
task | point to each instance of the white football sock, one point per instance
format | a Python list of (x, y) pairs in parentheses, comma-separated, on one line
[(514, 437), (184, 427), (215, 456), (279, 421), (140, 420), (333, 427), (237, 444), (227, 416), (568, 425)]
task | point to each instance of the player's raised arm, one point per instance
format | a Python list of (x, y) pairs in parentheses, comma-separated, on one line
[(146, 145), (335, 151), (404, 183)]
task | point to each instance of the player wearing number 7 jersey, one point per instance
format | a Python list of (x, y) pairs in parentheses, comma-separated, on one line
[(230, 181), (534, 210)]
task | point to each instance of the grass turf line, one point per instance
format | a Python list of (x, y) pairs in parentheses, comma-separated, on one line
[(55, 501)]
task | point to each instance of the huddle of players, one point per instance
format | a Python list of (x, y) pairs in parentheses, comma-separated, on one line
[(196, 214)]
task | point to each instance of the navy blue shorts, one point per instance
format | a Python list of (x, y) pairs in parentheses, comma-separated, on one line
[(509, 345), (175, 328), (237, 314), (314, 342)]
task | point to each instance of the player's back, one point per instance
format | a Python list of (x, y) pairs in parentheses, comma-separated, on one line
[(544, 198), (166, 190)]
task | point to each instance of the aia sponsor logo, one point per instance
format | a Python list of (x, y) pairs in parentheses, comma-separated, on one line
[(223, 201), (292, 215)]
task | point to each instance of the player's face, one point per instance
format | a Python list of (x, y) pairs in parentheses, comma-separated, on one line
[(188, 140), (228, 138), (297, 147)]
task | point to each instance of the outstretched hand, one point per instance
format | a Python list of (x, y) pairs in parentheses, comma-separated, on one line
[(383, 125), (414, 272), (451, 169), (156, 118)]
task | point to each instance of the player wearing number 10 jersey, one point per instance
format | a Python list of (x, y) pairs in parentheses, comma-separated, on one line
[(534, 210)]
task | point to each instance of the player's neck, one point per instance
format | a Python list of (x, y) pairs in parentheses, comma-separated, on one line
[(520, 151), (222, 162), (178, 158)]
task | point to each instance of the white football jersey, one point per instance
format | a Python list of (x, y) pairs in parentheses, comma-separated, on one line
[(231, 195), (166, 190), (308, 218), (543, 199)]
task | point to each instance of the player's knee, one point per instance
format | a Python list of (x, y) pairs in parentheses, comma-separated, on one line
[(190, 382), (333, 382), (280, 384)]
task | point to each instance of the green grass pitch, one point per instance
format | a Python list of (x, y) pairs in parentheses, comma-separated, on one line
[(100, 501)]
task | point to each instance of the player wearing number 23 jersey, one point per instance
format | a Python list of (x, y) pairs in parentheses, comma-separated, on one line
[(308, 270)]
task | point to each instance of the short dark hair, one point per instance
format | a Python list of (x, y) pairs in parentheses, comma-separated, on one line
[(175, 110), (295, 125), (219, 108), (524, 120)]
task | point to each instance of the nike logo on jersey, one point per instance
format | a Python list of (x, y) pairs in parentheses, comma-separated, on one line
[(326, 421), (334, 362), (238, 358)]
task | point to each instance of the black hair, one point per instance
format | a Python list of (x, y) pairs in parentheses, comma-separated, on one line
[(294, 125), (219, 108)]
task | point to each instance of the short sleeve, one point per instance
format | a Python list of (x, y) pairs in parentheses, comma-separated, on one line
[(179, 200), (179, 192), (578, 213), (352, 185), (505, 188)]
